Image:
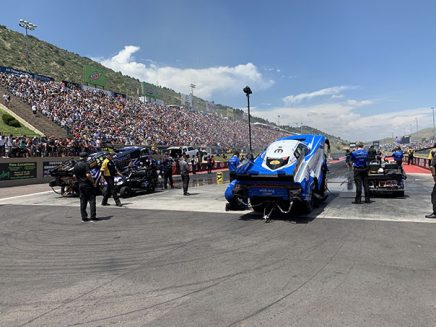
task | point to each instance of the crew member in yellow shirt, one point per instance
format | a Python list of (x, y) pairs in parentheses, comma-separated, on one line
[(109, 170)]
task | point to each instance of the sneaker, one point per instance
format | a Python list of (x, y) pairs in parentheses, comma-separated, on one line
[(87, 220), (357, 202), (119, 204), (105, 204), (433, 215), (186, 193)]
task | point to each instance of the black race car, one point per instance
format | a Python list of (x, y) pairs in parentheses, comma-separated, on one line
[(386, 178)]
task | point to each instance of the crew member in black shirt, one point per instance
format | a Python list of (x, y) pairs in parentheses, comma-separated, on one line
[(372, 154), (167, 171), (87, 191)]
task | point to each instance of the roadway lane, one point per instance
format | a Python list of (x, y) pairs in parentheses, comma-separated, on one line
[(197, 265)]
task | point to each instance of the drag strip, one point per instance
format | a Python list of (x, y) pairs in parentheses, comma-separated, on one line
[(167, 268), (165, 259)]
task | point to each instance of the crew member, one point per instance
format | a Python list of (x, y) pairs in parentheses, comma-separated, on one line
[(379, 156), (398, 157), (184, 173), (87, 190), (210, 163), (233, 164), (359, 158), (193, 165), (167, 171), (410, 155), (372, 153), (109, 170), (433, 193)]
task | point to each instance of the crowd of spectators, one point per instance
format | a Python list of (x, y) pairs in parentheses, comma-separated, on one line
[(24, 146), (92, 117)]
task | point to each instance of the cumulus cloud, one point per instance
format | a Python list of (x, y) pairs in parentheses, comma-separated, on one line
[(334, 92), (342, 119), (208, 81)]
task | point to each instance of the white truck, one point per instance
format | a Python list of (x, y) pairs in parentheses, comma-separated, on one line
[(177, 151)]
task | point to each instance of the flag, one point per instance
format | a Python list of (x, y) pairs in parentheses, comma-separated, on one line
[(94, 75)]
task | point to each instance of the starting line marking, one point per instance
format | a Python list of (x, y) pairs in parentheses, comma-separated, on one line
[(24, 195)]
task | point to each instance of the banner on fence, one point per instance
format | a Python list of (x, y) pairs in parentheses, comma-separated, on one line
[(17, 170)]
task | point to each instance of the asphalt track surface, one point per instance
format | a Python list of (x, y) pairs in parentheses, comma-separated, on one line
[(169, 260)]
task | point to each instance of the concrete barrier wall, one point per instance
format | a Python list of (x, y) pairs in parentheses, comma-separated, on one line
[(26, 171), (35, 170)]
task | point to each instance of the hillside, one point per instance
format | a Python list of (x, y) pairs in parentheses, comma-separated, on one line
[(47, 59), (420, 136)]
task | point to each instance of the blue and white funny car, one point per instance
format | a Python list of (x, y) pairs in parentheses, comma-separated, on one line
[(291, 170)]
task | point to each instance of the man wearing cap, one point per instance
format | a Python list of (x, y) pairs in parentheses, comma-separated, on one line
[(109, 170), (359, 158), (87, 190)]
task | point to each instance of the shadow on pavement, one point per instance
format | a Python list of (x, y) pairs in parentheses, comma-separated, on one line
[(103, 218)]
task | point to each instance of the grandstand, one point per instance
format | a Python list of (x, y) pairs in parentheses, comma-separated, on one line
[(93, 114)]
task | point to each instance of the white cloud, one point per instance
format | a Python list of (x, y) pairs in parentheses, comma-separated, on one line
[(341, 119), (207, 80), (357, 103), (334, 91)]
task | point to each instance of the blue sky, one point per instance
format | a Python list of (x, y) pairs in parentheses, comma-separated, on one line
[(362, 70)]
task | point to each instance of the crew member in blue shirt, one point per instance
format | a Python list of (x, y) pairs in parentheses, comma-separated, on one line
[(233, 163), (359, 158), (398, 156)]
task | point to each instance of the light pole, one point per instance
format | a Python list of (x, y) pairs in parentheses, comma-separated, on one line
[(192, 96), (27, 26), (247, 92)]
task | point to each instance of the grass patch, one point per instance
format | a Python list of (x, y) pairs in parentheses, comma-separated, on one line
[(16, 131)]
